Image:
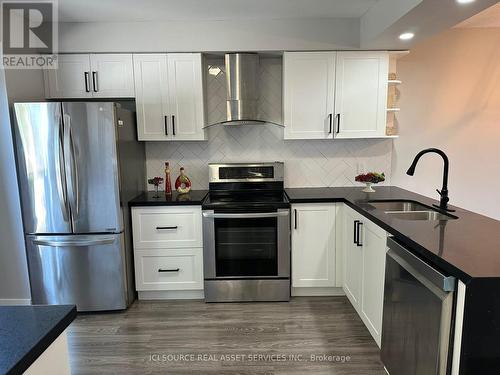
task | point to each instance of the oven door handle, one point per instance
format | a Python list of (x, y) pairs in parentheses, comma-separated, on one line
[(245, 215)]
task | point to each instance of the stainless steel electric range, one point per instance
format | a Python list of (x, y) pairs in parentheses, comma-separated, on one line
[(246, 233)]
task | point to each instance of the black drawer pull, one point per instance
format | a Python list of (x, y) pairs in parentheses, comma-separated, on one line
[(338, 123), (173, 124), (358, 235), (169, 270), (94, 81), (87, 84), (355, 231), (166, 125), (295, 218), (161, 228), (330, 116)]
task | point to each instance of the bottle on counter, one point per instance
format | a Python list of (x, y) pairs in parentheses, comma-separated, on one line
[(168, 183), (183, 183)]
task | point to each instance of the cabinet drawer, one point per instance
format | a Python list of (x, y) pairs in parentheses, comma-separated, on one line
[(167, 227), (164, 269)]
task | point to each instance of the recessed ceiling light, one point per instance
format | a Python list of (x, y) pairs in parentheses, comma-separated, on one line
[(465, 1), (406, 36)]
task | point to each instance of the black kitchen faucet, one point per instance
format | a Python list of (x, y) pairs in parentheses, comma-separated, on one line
[(443, 204)]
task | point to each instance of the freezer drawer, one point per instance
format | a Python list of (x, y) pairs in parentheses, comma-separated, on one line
[(85, 270)]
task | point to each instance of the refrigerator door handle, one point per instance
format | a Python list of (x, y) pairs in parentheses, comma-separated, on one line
[(74, 242), (71, 166), (61, 175)]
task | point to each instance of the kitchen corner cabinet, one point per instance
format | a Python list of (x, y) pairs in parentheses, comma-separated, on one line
[(169, 97), (361, 94), (335, 95), (364, 268), (313, 245), (308, 94), (81, 76)]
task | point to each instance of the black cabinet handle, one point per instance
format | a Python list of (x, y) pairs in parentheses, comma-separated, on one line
[(166, 125), (87, 83), (338, 123), (173, 124), (358, 235), (330, 116), (169, 270), (295, 218), (355, 231), (161, 228), (94, 81)]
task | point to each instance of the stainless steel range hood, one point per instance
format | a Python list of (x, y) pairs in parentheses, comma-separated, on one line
[(242, 75)]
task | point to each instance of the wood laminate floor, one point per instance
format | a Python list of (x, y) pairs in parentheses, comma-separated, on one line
[(192, 337)]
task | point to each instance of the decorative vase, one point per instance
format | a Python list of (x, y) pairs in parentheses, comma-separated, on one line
[(156, 182), (368, 188), (183, 183), (168, 183), (156, 192)]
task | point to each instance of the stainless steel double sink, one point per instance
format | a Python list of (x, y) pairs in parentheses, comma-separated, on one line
[(410, 210)]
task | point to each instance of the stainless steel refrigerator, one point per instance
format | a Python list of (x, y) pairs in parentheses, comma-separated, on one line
[(78, 164)]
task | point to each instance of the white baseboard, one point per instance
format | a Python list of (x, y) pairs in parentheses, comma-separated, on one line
[(12, 301), (171, 294), (317, 292)]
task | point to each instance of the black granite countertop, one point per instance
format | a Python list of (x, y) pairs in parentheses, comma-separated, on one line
[(193, 198), (468, 247), (27, 331)]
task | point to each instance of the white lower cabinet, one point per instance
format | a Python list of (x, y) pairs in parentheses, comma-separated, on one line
[(168, 252), (169, 269), (364, 246), (313, 246)]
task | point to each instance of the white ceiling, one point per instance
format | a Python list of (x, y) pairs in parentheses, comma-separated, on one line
[(156, 10), (487, 18)]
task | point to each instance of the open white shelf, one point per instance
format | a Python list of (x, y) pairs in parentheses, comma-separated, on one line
[(393, 109), (394, 81)]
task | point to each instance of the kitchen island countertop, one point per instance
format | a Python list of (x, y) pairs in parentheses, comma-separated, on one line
[(27, 331)]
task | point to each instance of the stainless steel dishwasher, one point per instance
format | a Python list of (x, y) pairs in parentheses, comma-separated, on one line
[(417, 318)]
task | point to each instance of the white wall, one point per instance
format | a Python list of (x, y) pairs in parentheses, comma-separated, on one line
[(204, 36), (24, 85), (14, 285), (451, 100)]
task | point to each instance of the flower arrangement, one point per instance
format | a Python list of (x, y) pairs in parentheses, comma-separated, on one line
[(370, 178), (156, 181)]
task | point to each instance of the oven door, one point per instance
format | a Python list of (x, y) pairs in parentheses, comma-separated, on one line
[(253, 245)]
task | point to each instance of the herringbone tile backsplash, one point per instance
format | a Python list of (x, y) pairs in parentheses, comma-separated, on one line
[(311, 163), (307, 163)]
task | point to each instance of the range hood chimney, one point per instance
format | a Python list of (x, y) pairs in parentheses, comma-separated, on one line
[(242, 75)]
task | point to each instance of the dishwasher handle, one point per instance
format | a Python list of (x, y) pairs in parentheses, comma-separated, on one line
[(411, 262)]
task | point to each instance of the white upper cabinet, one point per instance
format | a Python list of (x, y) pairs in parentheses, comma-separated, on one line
[(185, 84), (308, 94), (151, 91), (71, 79), (91, 76), (169, 97), (112, 76), (313, 245), (361, 94)]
